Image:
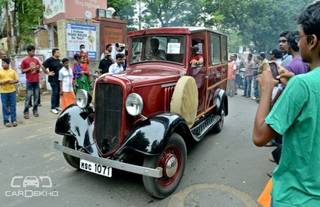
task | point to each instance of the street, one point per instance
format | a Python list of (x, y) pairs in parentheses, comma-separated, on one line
[(224, 169)]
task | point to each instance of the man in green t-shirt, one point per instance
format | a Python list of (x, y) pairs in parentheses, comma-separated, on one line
[(295, 116)]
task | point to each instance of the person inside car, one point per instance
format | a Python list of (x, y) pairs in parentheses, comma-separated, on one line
[(155, 53), (196, 58)]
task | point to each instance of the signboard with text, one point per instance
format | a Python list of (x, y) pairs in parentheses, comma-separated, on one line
[(78, 34)]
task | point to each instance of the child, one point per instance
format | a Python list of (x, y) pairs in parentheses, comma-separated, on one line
[(8, 81), (66, 85)]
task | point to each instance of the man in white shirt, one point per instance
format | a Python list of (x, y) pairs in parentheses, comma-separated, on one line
[(66, 85), (117, 67)]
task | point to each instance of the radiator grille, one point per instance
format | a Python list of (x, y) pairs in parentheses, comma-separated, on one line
[(108, 110)]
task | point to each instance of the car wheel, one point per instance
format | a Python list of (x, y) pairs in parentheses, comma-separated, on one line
[(71, 143), (219, 125), (172, 160)]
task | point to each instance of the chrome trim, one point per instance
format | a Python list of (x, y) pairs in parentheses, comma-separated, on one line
[(156, 173), (168, 85)]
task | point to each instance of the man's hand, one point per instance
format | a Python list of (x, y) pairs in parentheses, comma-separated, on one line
[(13, 81), (266, 79), (51, 73), (4, 82), (263, 133), (284, 75), (193, 62)]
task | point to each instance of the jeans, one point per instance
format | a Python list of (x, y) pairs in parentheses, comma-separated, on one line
[(256, 85), (247, 86), (239, 81), (9, 107), (55, 94), (33, 90), (231, 88)]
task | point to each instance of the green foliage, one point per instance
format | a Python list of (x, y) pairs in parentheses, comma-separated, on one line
[(170, 12), (252, 22), (30, 14), (124, 9)]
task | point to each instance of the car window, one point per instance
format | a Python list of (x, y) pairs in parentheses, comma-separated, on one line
[(136, 50), (224, 50), (158, 48), (215, 49)]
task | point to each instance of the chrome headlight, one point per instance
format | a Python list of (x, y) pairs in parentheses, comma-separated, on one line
[(134, 104), (83, 98)]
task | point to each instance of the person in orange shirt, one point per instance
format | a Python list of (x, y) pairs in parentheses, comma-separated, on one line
[(8, 81), (231, 84)]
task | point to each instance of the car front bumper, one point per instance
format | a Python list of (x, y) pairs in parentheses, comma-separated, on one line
[(156, 173)]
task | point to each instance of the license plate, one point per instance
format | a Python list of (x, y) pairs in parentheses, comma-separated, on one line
[(96, 168)]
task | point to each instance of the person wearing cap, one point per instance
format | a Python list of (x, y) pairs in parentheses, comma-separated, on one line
[(8, 80), (196, 58)]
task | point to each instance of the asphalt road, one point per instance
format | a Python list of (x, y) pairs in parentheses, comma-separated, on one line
[(224, 169)]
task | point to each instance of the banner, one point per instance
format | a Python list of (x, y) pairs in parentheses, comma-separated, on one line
[(78, 34)]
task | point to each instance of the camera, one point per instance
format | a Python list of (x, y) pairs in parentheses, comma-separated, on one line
[(274, 69)]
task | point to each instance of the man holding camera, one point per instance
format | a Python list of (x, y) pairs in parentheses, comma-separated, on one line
[(106, 61), (295, 116)]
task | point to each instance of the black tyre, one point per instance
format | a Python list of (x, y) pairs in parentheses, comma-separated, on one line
[(219, 125), (172, 160), (71, 143)]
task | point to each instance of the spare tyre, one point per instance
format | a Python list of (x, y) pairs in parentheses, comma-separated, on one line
[(184, 100)]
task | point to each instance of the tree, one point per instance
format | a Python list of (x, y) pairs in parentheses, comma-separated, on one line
[(25, 16), (251, 21), (167, 12), (124, 9), (30, 15)]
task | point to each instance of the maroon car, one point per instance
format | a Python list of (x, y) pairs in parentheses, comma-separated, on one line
[(144, 119)]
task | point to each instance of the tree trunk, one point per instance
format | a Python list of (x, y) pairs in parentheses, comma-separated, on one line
[(6, 5)]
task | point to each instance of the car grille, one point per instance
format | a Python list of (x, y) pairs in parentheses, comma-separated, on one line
[(108, 108)]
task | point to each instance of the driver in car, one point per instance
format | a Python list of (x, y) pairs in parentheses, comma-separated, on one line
[(155, 53)]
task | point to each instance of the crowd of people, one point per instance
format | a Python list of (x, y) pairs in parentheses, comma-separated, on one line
[(244, 69), (64, 80)]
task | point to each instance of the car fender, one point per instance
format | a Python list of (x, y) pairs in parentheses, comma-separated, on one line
[(150, 136), (221, 100), (78, 123)]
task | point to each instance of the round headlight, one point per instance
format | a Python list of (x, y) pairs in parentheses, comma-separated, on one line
[(83, 98), (134, 104)]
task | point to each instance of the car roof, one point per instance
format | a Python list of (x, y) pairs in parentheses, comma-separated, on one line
[(172, 30)]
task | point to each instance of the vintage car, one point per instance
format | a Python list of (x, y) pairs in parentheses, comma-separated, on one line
[(144, 119)]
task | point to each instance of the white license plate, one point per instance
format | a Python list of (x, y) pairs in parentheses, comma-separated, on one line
[(95, 168)]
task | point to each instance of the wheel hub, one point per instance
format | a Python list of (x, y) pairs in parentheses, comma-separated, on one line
[(171, 166)]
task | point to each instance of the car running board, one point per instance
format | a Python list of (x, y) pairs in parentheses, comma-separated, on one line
[(204, 126)]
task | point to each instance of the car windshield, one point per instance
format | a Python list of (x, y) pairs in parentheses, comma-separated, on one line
[(158, 48)]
